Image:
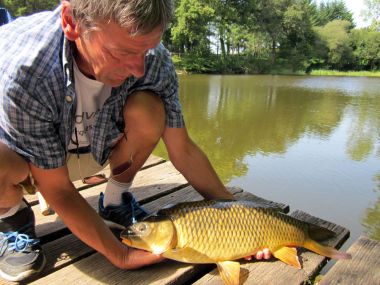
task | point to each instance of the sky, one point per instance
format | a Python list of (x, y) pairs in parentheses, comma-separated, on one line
[(355, 6)]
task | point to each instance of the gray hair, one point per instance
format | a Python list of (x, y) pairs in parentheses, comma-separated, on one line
[(141, 16)]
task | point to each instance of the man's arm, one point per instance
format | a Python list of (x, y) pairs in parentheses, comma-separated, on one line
[(83, 221), (191, 161)]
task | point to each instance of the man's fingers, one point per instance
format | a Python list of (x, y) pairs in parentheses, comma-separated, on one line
[(263, 254), (266, 253), (259, 255)]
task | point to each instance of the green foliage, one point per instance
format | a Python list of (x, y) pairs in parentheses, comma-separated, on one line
[(366, 49), (190, 32), (334, 10), (335, 35), (23, 7)]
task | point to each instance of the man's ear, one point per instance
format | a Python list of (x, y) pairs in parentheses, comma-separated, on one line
[(69, 26)]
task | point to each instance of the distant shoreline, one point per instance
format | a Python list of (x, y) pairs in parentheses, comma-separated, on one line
[(319, 72)]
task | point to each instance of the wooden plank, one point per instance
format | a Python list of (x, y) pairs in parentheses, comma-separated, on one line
[(165, 273), (363, 268), (148, 184), (251, 197), (151, 161), (276, 272)]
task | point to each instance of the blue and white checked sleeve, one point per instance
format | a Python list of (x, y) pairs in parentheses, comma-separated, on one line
[(27, 126)]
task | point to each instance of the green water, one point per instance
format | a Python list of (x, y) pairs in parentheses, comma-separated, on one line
[(310, 142)]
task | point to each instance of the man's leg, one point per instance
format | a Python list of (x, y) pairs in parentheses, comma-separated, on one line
[(13, 170), (144, 116), (17, 261)]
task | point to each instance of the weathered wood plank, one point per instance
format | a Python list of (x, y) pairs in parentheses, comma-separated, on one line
[(276, 272), (166, 273), (363, 268), (151, 161), (251, 197)]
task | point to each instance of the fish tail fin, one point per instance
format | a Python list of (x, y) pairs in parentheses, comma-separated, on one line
[(325, 250)]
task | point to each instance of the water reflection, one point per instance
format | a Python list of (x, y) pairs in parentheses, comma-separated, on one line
[(323, 132)]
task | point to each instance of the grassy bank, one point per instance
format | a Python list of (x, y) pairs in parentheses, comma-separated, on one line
[(323, 72)]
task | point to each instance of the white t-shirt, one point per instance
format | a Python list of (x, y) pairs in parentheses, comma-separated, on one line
[(91, 95)]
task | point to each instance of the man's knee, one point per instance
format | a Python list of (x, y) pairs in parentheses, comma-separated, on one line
[(12, 164), (13, 170), (144, 113)]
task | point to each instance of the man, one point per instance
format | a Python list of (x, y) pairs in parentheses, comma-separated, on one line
[(90, 76)]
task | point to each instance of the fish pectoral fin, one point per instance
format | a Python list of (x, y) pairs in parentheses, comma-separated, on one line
[(288, 255), (229, 271), (188, 255)]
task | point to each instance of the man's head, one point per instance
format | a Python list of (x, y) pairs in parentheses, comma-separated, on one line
[(113, 36)]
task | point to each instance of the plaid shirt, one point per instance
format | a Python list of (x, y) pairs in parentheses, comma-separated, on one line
[(37, 92)]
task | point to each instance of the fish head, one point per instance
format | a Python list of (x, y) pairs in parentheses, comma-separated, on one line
[(155, 234)]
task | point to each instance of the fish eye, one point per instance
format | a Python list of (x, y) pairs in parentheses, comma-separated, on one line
[(141, 227)]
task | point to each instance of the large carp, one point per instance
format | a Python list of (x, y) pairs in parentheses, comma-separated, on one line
[(222, 231)]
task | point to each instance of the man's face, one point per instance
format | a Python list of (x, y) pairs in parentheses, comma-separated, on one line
[(111, 54)]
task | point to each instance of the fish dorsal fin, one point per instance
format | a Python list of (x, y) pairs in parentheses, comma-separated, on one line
[(319, 233), (229, 271), (288, 255)]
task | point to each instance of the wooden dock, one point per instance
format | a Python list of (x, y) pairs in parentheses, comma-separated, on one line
[(69, 261)]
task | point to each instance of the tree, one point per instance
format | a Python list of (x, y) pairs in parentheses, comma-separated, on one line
[(191, 29), (335, 35), (335, 10), (366, 48), (297, 44), (24, 7), (228, 15), (268, 16)]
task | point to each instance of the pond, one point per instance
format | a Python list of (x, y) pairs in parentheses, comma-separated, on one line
[(310, 142)]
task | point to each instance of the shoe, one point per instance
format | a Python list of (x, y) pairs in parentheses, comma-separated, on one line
[(20, 253), (124, 215)]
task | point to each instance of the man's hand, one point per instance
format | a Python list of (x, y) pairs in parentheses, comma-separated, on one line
[(136, 258), (265, 253)]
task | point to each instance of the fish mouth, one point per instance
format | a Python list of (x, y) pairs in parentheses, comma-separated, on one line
[(126, 235), (126, 241)]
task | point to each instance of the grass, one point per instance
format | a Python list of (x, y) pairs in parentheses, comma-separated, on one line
[(326, 72)]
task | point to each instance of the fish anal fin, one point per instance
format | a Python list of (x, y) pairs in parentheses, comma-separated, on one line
[(325, 250), (229, 272), (288, 255)]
